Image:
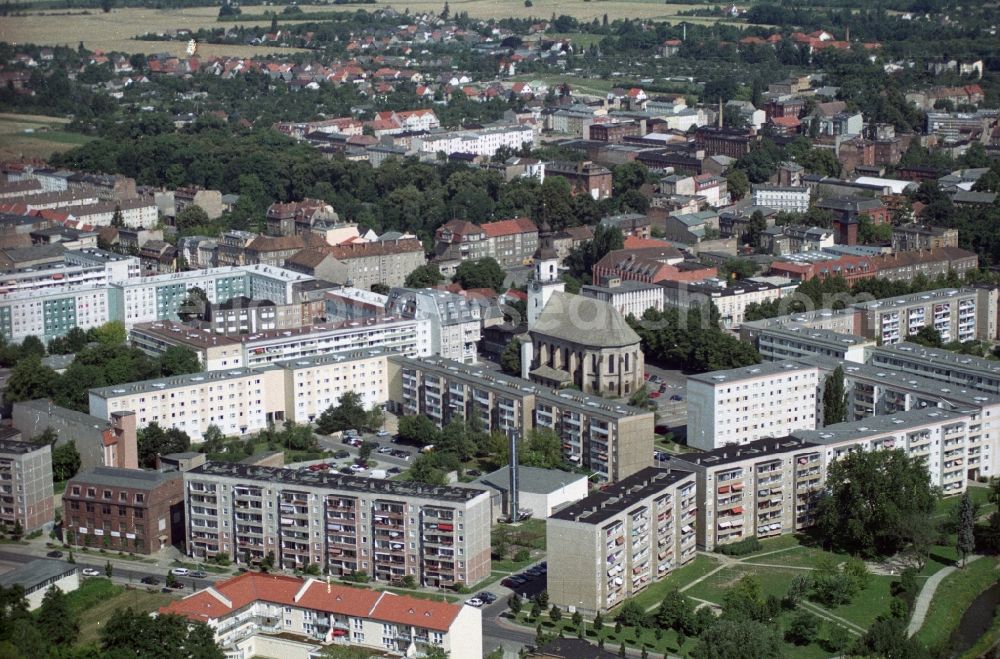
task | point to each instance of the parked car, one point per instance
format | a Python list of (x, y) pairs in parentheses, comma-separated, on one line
[(54, 554), (385, 449), (508, 582), (394, 470), (474, 472), (487, 597), (350, 432), (475, 601), (663, 388), (151, 580), (655, 394), (677, 397), (199, 574), (403, 455), (180, 572), (383, 433), (90, 572), (357, 468), (341, 454)]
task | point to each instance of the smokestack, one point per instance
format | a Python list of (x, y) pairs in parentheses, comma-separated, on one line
[(514, 484), (720, 112)]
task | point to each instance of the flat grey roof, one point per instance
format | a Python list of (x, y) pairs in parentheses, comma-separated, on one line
[(161, 384), (37, 571), (338, 481), (48, 408), (943, 391), (759, 448), (748, 372), (839, 432), (914, 298), (826, 337), (938, 356), (531, 479), (119, 477), (621, 496)]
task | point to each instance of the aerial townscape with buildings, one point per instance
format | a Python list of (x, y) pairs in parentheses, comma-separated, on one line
[(547, 328)]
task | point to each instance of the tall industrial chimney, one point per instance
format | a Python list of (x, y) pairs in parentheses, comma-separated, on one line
[(512, 496)]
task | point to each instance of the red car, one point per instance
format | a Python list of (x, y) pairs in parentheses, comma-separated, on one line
[(655, 394)]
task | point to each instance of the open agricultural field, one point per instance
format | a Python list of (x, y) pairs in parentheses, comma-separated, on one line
[(581, 9), (115, 31), (34, 136)]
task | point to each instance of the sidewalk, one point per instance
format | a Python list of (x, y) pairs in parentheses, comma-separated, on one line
[(923, 603)]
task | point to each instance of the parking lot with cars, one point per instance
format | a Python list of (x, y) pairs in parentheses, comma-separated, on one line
[(528, 582)]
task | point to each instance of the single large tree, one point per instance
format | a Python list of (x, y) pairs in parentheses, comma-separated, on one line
[(154, 440), (425, 276), (870, 498), (966, 542), (55, 619), (348, 413), (484, 273), (834, 399)]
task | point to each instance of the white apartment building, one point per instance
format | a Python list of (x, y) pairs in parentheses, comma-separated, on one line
[(629, 297), (795, 341), (145, 299), (246, 400), (943, 366), (51, 313), (257, 614), (455, 321), (729, 297), (781, 198), (408, 337), (481, 142), (440, 535), (88, 267), (744, 404), (616, 542)]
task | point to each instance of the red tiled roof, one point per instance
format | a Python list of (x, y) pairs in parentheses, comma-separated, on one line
[(508, 227), (241, 591), (788, 122)]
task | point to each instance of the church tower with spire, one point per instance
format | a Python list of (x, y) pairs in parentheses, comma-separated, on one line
[(546, 280)]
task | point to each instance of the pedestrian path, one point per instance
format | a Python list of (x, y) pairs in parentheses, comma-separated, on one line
[(923, 603)]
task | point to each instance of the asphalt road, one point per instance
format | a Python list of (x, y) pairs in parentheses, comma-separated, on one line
[(120, 574)]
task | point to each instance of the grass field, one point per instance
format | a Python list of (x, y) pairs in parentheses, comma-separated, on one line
[(115, 31), (44, 136), (97, 599), (953, 596)]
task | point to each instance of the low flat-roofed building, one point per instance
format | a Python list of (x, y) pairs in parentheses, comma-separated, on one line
[(628, 296), (540, 491), (622, 539), (37, 577)]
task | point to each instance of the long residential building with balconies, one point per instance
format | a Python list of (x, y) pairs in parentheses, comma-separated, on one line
[(617, 542), (607, 437), (941, 365), (440, 535)]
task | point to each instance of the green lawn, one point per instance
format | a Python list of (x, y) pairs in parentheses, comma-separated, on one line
[(953, 596), (62, 137), (679, 578), (869, 603), (773, 581), (437, 597), (96, 600)]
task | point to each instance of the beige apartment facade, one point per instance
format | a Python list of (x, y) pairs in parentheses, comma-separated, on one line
[(25, 485), (440, 535), (612, 439), (615, 543)]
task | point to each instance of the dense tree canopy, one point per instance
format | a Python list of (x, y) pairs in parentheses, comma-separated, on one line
[(871, 497)]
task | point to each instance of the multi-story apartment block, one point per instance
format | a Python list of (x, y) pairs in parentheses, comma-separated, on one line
[(940, 438), (460, 240), (944, 366), (842, 321), (354, 304), (455, 321), (81, 269), (124, 509), (744, 404), (729, 297), (629, 297), (25, 484), (52, 312), (242, 400), (511, 242), (237, 401), (963, 314), (481, 142), (249, 613), (387, 262), (766, 487), (782, 198), (609, 438), (410, 337), (794, 341), (440, 535), (876, 392), (584, 177), (795, 238), (146, 299), (616, 542)]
